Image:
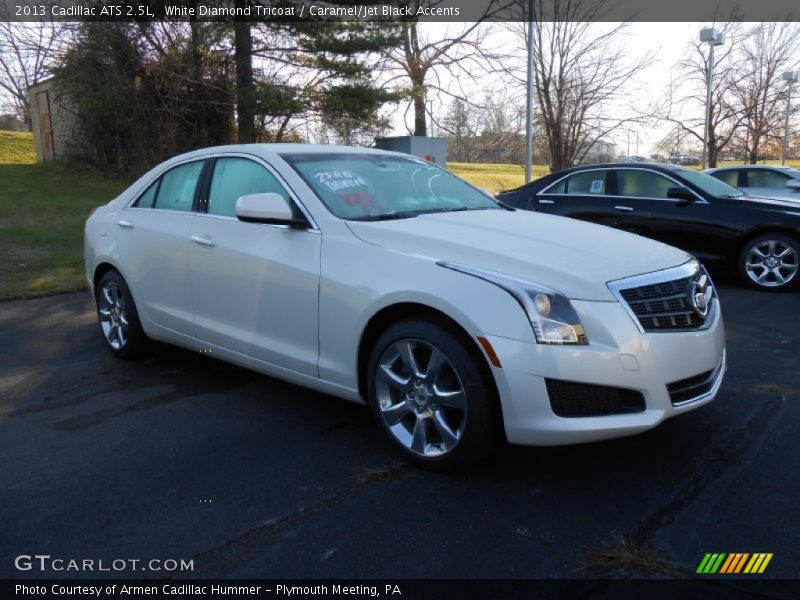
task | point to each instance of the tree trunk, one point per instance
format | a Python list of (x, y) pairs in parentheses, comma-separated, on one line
[(420, 123), (244, 79), (712, 152)]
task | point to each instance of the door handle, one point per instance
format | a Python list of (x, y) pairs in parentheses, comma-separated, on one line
[(203, 241), (547, 201), (624, 208), (125, 224)]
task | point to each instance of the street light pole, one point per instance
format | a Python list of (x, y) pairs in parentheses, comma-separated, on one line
[(713, 38), (790, 77), (529, 99)]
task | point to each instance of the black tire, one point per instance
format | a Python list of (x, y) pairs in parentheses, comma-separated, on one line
[(126, 317), (477, 426), (779, 243)]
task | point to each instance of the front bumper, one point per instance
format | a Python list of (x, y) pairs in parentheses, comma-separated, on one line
[(619, 355)]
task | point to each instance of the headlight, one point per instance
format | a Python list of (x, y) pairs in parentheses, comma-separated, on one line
[(552, 317)]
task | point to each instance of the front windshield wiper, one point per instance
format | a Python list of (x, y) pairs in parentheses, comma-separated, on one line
[(408, 214), (457, 209)]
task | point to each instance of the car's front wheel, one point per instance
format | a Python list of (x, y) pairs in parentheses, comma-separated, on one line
[(119, 320), (432, 396), (771, 262)]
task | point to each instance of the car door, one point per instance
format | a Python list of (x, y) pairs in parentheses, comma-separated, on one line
[(255, 286), (580, 195), (764, 182), (152, 235), (686, 224)]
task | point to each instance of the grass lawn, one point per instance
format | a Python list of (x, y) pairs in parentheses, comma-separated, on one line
[(495, 177), (42, 212)]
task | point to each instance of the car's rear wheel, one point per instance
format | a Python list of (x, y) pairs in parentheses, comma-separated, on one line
[(119, 320), (771, 262), (431, 395)]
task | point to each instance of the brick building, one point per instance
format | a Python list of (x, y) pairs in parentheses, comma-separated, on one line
[(54, 120)]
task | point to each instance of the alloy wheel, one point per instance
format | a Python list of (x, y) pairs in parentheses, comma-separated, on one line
[(772, 263), (420, 397), (113, 315)]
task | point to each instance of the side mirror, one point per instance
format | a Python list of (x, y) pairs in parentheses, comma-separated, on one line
[(793, 184), (679, 192), (267, 208)]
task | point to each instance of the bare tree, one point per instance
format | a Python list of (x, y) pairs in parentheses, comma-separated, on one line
[(684, 103), (765, 54), (460, 126), (27, 51), (582, 75), (427, 64)]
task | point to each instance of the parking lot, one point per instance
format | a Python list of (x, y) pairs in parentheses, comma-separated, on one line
[(180, 456)]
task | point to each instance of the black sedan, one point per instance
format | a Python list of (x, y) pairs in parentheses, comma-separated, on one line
[(759, 237)]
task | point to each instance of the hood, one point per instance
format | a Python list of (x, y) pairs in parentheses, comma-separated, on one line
[(780, 203), (573, 257)]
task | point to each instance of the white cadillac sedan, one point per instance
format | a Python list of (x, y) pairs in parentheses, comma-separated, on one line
[(383, 279)]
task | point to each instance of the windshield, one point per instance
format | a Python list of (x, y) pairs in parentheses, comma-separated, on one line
[(375, 186), (710, 185)]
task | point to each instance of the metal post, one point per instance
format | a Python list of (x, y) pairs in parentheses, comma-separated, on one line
[(786, 121), (707, 130), (529, 99)]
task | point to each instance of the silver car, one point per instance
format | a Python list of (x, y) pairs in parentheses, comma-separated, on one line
[(762, 180)]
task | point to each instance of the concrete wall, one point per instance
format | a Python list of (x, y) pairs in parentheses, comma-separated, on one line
[(64, 122)]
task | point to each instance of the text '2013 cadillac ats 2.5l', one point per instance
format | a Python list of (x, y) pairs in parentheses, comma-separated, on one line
[(383, 279)]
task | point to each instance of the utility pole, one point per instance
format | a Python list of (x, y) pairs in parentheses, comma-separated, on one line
[(529, 99), (713, 38), (790, 77)]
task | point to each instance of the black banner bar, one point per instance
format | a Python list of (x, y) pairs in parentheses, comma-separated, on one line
[(708, 588), (706, 11)]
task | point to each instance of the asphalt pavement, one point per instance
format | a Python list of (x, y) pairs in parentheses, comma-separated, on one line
[(179, 456)]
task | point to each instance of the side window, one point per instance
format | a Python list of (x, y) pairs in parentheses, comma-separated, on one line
[(147, 199), (729, 177), (762, 178), (586, 182), (235, 177), (559, 188), (642, 184), (176, 191)]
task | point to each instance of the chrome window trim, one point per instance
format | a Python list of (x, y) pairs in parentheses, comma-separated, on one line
[(700, 199), (687, 269), (257, 159), (274, 225), (130, 204), (254, 158)]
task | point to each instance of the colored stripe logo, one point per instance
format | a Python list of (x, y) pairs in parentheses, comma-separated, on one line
[(734, 563)]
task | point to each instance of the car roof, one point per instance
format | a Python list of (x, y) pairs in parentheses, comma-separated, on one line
[(757, 167), (272, 150), (657, 166)]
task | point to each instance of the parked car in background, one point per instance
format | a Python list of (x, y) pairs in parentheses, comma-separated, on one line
[(383, 279), (759, 237), (762, 180), (684, 160)]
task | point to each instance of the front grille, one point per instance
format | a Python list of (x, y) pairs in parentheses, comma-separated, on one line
[(668, 305), (686, 390), (569, 399)]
